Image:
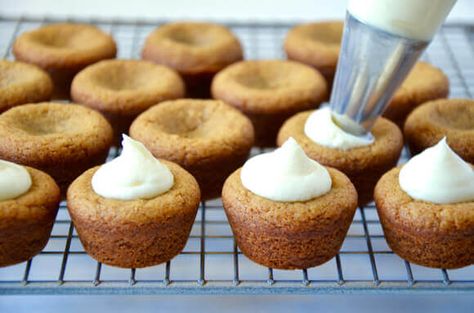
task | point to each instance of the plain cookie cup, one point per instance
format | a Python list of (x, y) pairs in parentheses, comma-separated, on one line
[(22, 83), (450, 118), (424, 83), (269, 92), (208, 138), (26, 221), (135, 233), (196, 50), (433, 235), (63, 49), (62, 140), (290, 235), (363, 165), (122, 89), (316, 45)]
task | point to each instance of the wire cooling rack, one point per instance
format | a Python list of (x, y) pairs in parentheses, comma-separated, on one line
[(211, 263)]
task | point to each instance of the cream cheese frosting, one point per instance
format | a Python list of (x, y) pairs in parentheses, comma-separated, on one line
[(135, 174), (14, 180), (438, 175), (418, 19), (321, 128), (285, 174)]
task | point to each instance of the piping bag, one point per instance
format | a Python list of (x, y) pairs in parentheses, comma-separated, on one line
[(381, 42)]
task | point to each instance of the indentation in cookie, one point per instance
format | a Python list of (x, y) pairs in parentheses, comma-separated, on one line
[(13, 75), (260, 81), (81, 43), (119, 76), (47, 122), (330, 34), (192, 37), (454, 116), (266, 77), (66, 38), (191, 123), (7, 77)]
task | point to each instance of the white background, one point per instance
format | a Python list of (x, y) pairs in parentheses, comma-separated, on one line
[(299, 10)]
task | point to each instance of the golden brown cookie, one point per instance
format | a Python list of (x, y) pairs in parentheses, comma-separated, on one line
[(209, 138), (316, 45), (63, 49), (62, 140), (196, 50), (363, 165), (122, 89), (269, 92), (434, 235), (424, 83), (290, 235), (135, 233), (450, 118), (26, 221), (22, 83)]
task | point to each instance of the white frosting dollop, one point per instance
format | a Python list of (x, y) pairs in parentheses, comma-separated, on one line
[(286, 174), (135, 174), (438, 175), (321, 128), (14, 180)]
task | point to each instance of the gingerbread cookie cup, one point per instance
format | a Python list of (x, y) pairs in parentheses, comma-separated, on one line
[(450, 118), (195, 50), (434, 235), (209, 138), (290, 235), (122, 89), (363, 165), (269, 92), (26, 221), (316, 45), (134, 233), (62, 140), (424, 83), (22, 83), (63, 49)]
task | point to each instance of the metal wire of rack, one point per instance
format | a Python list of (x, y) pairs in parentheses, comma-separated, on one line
[(211, 262)]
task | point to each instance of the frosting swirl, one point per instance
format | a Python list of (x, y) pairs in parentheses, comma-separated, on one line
[(321, 128), (14, 180), (286, 174), (438, 175), (135, 174)]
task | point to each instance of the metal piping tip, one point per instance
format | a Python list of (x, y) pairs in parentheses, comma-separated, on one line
[(372, 65)]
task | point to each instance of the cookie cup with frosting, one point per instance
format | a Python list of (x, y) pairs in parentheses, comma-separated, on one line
[(430, 226), (134, 232), (286, 234), (29, 201), (364, 161)]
